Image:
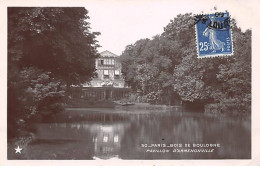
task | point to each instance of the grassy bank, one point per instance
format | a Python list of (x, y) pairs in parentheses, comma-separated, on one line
[(83, 103)]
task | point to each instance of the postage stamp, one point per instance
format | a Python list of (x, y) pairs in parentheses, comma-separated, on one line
[(213, 33)]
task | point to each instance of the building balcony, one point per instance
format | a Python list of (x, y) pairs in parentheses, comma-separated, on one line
[(105, 65)]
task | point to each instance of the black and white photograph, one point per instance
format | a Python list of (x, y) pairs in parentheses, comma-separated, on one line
[(129, 80)]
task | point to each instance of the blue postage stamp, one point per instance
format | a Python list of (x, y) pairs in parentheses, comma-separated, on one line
[(213, 33)]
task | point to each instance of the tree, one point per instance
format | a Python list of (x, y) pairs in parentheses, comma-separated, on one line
[(225, 81), (168, 64), (53, 39), (235, 76), (130, 60), (47, 49), (148, 66)]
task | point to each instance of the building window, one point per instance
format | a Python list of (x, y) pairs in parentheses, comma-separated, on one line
[(105, 139), (106, 62), (116, 74), (106, 74), (100, 62), (116, 139)]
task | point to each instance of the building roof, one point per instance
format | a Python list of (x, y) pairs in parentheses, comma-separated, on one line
[(107, 53)]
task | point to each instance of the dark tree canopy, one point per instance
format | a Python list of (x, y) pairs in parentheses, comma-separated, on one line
[(57, 40), (168, 63), (48, 49)]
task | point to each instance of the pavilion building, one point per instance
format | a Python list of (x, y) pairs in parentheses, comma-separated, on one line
[(108, 82)]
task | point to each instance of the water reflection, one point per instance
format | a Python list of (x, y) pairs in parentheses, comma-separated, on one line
[(99, 135), (107, 141)]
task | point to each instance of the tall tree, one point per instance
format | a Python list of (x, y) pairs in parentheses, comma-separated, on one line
[(225, 81), (47, 49), (169, 62), (53, 39)]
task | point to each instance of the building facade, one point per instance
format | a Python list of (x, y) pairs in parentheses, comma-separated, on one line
[(108, 72), (108, 82)]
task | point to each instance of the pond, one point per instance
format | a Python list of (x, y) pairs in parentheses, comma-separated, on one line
[(86, 134)]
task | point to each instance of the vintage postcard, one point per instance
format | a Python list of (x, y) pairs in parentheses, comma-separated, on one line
[(116, 82)]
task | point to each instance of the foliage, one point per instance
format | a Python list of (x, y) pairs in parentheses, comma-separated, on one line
[(235, 76), (57, 40), (147, 65), (48, 48), (169, 63), (35, 93), (154, 97)]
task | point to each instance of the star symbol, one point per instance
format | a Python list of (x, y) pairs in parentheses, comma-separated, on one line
[(18, 150)]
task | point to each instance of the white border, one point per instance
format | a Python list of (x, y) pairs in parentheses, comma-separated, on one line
[(255, 96)]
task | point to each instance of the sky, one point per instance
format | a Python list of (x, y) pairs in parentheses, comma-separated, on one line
[(123, 22)]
